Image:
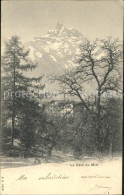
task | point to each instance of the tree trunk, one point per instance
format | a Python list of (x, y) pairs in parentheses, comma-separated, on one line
[(13, 106), (51, 148), (50, 151), (98, 121), (12, 131), (110, 151)]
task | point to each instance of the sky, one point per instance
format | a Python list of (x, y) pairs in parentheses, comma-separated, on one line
[(94, 19)]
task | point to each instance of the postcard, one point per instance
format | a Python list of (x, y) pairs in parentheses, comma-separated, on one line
[(61, 97)]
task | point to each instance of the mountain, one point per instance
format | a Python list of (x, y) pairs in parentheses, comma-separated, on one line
[(54, 51)]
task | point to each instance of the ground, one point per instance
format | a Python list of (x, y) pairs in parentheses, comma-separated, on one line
[(57, 157)]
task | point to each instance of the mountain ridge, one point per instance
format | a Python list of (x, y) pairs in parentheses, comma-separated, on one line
[(54, 51)]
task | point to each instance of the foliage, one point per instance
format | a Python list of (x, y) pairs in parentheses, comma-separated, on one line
[(18, 108)]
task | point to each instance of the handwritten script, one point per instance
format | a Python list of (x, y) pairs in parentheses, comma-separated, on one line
[(48, 176), (62, 176)]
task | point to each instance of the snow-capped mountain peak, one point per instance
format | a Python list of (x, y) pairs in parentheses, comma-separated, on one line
[(57, 30), (54, 51)]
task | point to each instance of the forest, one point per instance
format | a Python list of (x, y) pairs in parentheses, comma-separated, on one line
[(86, 121)]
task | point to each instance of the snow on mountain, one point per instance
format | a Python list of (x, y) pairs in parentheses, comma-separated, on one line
[(54, 59), (54, 51), (33, 54)]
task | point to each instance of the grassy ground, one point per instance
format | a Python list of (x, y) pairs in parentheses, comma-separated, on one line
[(57, 157)]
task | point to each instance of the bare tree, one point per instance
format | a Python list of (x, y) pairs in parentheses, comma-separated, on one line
[(98, 66)]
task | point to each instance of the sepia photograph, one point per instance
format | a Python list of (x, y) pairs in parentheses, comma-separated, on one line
[(61, 97)]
